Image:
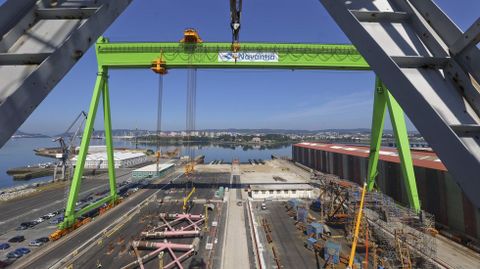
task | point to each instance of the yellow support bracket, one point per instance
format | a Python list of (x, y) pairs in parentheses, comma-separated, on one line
[(186, 199), (357, 228)]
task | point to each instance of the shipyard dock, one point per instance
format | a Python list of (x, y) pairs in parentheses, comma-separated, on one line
[(234, 226)]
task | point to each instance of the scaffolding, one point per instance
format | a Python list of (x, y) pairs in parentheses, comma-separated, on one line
[(398, 236), (402, 235)]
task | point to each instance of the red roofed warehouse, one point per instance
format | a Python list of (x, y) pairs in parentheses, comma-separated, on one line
[(439, 194)]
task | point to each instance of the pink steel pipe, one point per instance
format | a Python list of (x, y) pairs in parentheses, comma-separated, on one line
[(166, 223), (181, 258), (167, 234), (193, 247), (175, 259), (145, 258), (177, 215), (174, 246), (195, 224)]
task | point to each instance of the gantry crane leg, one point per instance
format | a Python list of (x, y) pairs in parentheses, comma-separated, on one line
[(101, 88), (382, 99)]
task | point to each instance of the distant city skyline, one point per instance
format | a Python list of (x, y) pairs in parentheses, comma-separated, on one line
[(285, 99)]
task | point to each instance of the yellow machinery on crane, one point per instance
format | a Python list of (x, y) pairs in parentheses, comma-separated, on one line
[(186, 199), (158, 66), (189, 167), (191, 35)]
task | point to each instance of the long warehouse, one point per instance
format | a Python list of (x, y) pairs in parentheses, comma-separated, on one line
[(99, 160), (439, 194)]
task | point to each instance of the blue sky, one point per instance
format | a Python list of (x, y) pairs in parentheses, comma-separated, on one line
[(226, 98)]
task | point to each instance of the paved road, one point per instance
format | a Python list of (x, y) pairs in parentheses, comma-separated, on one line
[(38, 204), (287, 240), (236, 244)]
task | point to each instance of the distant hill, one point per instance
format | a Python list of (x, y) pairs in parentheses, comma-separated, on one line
[(137, 132), (288, 131), (20, 134)]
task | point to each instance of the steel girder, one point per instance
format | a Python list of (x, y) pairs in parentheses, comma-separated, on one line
[(431, 84), (218, 55), (382, 100), (39, 44), (100, 90)]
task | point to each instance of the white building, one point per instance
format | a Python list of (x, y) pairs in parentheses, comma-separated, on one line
[(281, 191), (94, 148), (152, 170), (256, 140), (98, 160)]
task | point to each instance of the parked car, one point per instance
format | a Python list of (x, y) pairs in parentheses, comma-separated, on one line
[(39, 220), (58, 212), (23, 250), (43, 239), (36, 243), (51, 215), (4, 246), (21, 227), (26, 225), (17, 239), (56, 220), (14, 255), (264, 206), (5, 263)]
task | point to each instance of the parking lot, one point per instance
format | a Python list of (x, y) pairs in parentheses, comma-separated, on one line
[(34, 223)]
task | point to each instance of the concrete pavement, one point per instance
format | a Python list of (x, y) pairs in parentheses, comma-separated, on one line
[(236, 247)]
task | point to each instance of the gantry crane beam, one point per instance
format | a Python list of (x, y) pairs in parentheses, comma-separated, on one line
[(218, 55)]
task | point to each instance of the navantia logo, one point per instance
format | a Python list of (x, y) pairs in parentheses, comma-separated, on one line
[(253, 57)]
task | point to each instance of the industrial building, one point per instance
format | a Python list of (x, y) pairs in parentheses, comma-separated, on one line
[(281, 191), (98, 160), (151, 170), (438, 192)]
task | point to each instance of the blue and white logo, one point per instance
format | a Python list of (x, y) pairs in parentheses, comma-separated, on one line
[(252, 57)]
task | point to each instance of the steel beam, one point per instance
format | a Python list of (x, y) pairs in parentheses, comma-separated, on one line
[(450, 34), (23, 58), (376, 16), (69, 218), (403, 148), (382, 100), (108, 138), (65, 13), (470, 38), (218, 55), (433, 99), (25, 87), (378, 120), (101, 88), (11, 12)]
